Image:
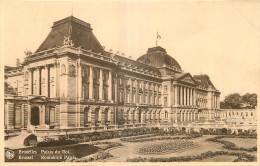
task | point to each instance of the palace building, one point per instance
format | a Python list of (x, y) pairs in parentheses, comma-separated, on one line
[(70, 81)]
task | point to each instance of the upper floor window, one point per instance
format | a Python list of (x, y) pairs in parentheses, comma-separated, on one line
[(165, 88), (72, 71), (63, 69), (165, 101)]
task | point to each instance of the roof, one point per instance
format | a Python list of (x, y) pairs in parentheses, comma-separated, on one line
[(80, 34), (203, 80), (124, 60), (157, 57)]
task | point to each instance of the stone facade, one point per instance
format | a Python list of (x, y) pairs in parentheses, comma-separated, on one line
[(72, 82)]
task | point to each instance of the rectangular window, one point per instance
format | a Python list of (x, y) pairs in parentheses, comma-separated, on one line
[(18, 116), (165, 88), (127, 98), (52, 115), (165, 101)]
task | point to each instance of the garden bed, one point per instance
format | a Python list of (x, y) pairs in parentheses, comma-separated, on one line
[(165, 147), (241, 157), (231, 145), (158, 138)]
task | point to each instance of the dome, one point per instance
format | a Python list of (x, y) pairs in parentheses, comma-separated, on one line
[(157, 57)]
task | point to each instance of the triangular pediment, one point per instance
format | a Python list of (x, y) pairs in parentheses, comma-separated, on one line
[(37, 99), (187, 78)]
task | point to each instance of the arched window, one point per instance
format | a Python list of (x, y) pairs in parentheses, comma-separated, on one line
[(165, 114)]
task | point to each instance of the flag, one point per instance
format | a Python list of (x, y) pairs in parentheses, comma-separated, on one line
[(158, 36)]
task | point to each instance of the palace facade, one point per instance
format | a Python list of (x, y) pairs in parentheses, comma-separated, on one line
[(70, 81)]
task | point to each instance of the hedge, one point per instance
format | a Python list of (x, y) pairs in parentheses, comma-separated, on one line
[(241, 157), (230, 145)]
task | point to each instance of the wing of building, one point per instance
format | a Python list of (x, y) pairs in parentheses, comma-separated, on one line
[(72, 82)]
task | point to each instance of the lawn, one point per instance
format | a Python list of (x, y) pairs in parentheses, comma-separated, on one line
[(132, 150), (242, 142)]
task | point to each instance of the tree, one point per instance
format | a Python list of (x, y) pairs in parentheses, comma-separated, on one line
[(233, 101), (249, 100), (236, 101), (9, 90)]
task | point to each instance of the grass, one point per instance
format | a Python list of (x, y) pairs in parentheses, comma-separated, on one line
[(242, 142)]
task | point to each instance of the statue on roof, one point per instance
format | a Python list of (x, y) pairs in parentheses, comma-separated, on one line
[(67, 41), (27, 52)]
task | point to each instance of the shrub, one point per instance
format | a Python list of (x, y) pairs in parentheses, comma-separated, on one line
[(31, 140)]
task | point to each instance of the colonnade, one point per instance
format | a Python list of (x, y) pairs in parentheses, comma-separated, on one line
[(184, 95), (91, 83), (39, 80), (142, 92)]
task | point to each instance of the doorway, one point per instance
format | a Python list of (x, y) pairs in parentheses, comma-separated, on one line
[(35, 116)]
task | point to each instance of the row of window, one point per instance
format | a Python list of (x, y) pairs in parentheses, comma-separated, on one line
[(237, 113)]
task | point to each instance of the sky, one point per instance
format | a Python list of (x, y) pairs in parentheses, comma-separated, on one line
[(220, 38)]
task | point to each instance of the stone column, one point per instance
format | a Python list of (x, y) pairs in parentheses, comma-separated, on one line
[(136, 92), (30, 82), (116, 91), (185, 96), (22, 118), (39, 81), (131, 91), (29, 115), (90, 83), (181, 95), (157, 97), (195, 97), (42, 116), (190, 99), (110, 85), (218, 103), (125, 91), (188, 96), (176, 95), (79, 77), (101, 85), (57, 80), (46, 81), (148, 94)]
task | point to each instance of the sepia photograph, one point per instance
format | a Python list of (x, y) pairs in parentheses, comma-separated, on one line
[(129, 81)]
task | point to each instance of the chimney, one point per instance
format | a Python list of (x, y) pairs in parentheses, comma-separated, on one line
[(17, 62)]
